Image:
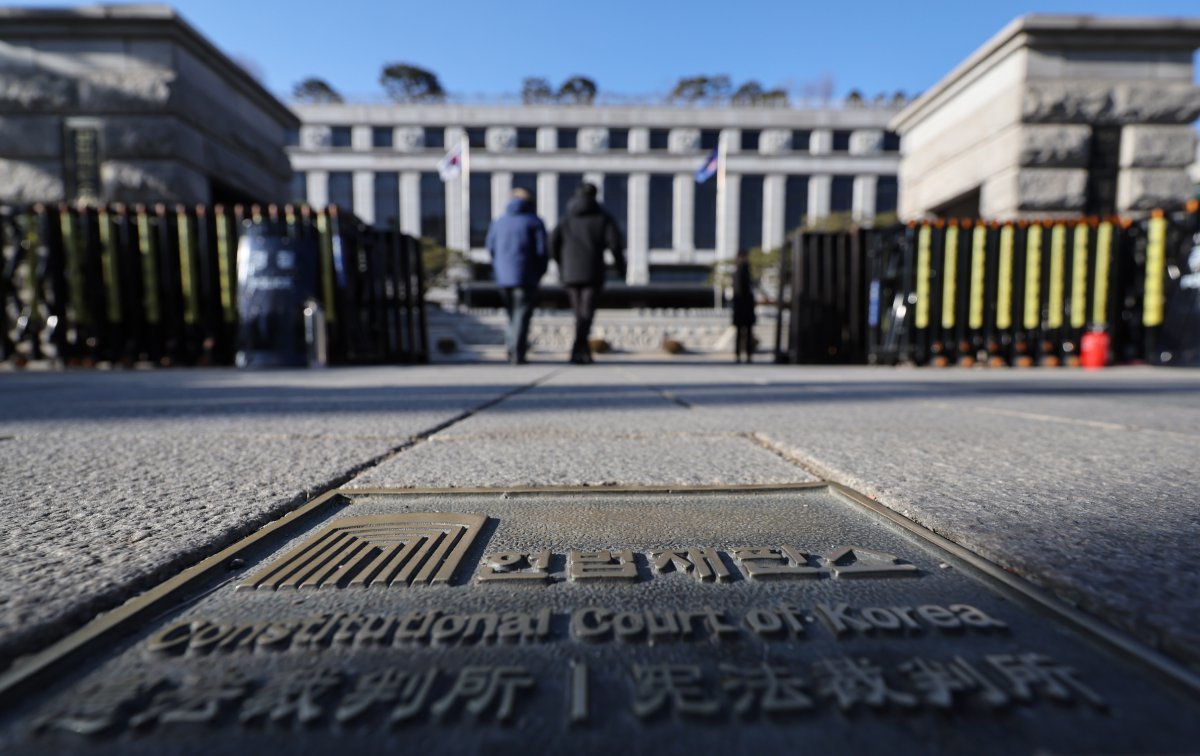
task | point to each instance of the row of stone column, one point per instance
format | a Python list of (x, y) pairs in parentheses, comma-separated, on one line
[(595, 139), (637, 212)]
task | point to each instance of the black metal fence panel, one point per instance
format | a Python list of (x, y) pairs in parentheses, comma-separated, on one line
[(135, 284), (964, 292)]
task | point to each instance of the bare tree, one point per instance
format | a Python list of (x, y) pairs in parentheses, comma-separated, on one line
[(315, 91), (408, 83)]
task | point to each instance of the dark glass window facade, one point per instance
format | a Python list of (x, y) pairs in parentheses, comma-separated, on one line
[(481, 207), (567, 184), (477, 137), (433, 208), (618, 139), (341, 189), (841, 194), (841, 141), (709, 139), (662, 211), (381, 136), (800, 140), (387, 199), (568, 139), (659, 139), (435, 136), (339, 136), (704, 219), (750, 212), (750, 140), (298, 190), (887, 192), (616, 198), (891, 141), (795, 202), (526, 138)]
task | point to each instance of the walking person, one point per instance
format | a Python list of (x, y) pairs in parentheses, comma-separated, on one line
[(517, 243), (577, 245), (743, 308)]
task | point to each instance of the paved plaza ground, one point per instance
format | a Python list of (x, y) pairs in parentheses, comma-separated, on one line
[(1082, 482)]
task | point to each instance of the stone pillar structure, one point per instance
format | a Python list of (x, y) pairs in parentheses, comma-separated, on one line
[(501, 192), (773, 209), (1057, 116), (458, 234), (361, 139), (638, 242), (820, 142), (820, 196), (410, 203), (863, 209), (318, 188), (683, 212), (547, 199), (364, 196), (729, 222)]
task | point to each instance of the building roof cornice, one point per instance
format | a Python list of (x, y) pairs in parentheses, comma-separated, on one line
[(1057, 31), (152, 21)]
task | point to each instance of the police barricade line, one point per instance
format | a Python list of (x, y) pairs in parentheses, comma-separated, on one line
[(124, 284), (965, 292)]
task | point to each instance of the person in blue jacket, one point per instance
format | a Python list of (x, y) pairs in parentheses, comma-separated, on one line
[(517, 243)]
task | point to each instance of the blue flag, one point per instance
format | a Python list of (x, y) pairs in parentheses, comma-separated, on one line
[(709, 168)]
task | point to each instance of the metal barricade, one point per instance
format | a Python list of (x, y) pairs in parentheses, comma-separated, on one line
[(158, 284)]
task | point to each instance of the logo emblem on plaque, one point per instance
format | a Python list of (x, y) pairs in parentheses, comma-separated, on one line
[(376, 550)]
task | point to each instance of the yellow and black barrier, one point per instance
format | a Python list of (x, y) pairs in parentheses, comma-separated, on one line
[(966, 292), (135, 284)]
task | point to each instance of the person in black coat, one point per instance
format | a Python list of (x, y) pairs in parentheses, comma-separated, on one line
[(743, 308), (577, 245)]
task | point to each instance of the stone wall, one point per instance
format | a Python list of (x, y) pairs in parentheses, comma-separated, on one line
[(174, 116), (1015, 121)]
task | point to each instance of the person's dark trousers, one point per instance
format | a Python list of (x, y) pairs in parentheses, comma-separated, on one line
[(519, 302), (583, 302), (744, 344)]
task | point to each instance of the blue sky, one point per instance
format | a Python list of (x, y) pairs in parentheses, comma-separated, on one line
[(627, 46)]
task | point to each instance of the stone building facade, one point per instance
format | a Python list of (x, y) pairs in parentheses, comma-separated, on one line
[(784, 165), (1057, 115), (130, 104)]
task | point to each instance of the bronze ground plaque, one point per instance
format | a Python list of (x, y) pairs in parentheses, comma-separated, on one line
[(796, 618)]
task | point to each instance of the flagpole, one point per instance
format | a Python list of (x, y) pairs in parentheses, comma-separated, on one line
[(722, 219), (465, 178), (722, 214)]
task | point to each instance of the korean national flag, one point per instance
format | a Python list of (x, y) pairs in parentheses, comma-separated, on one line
[(450, 166), (708, 168)]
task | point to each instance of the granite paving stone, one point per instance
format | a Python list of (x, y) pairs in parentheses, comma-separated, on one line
[(1083, 483), (116, 480)]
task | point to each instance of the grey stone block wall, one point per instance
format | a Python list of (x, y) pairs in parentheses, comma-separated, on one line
[(175, 115), (1017, 120)]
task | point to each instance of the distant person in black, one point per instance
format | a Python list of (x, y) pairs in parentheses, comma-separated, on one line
[(577, 245), (743, 308)]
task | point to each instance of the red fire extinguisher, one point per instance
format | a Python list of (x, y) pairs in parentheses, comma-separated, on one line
[(1093, 349)]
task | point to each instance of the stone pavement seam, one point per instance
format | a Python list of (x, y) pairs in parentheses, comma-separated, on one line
[(44, 634), (779, 450)]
